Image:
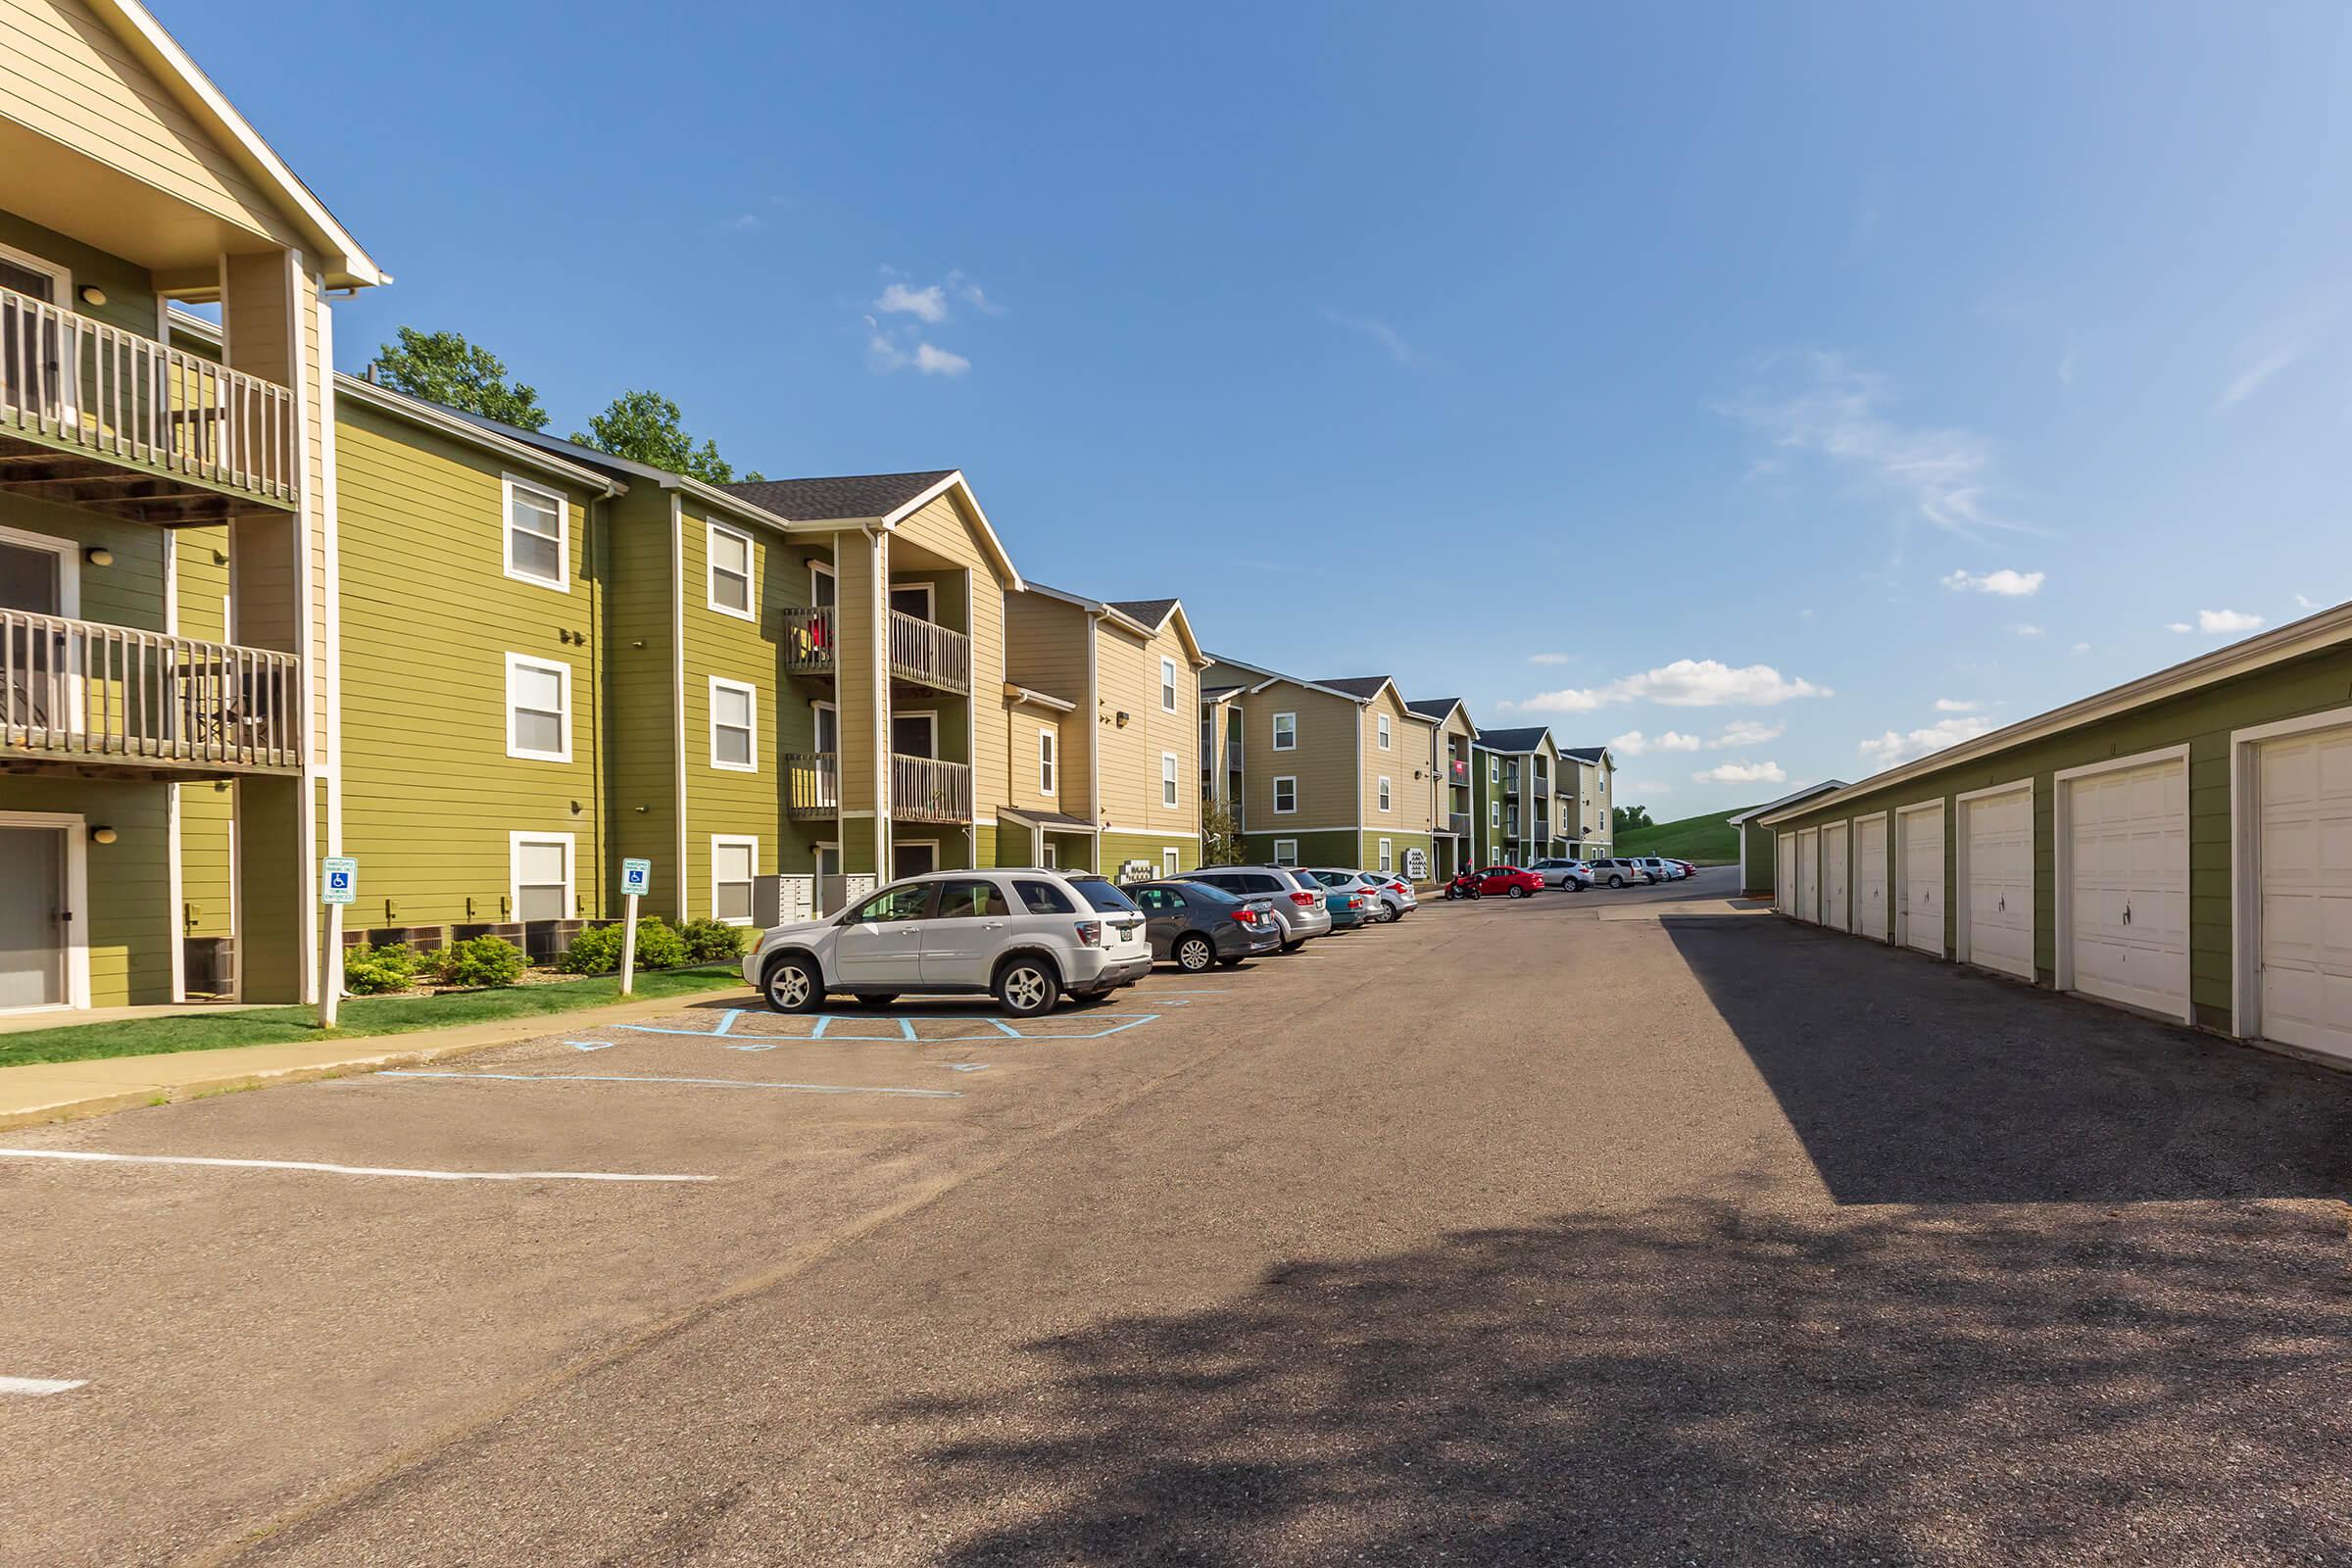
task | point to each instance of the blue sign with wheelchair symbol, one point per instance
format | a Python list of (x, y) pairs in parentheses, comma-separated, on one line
[(342, 879)]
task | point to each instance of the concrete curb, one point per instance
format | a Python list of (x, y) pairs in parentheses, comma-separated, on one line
[(69, 1091)]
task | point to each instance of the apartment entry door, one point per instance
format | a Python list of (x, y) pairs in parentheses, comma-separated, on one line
[(913, 858), (32, 917), (31, 579)]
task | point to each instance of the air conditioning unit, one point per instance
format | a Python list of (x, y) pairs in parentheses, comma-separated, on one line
[(546, 940), (208, 966)]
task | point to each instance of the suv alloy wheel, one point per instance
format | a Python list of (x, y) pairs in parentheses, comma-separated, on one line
[(792, 985), (1026, 986)]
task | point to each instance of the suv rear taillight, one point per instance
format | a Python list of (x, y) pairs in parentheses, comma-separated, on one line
[(1355, 901), (1090, 933), (1244, 917), (1304, 900)]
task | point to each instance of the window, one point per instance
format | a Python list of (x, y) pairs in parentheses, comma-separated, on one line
[(1043, 898), (730, 586), (1286, 794), (1285, 852), (820, 585), (891, 905), (1387, 858), (1493, 768), (1168, 779), (913, 599), (1167, 685), (976, 899), (1159, 901), (539, 869), (1102, 897), (1380, 724), (825, 723), (1384, 792), (1285, 732), (1493, 813), (538, 710), (1169, 860), (538, 534), (734, 725), (734, 866), (1045, 761)]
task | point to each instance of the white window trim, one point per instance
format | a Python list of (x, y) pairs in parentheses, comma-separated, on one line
[(929, 591), (563, 675), (1493, 814), (1285, 852), (1380, 728), (1171, 787), (929, 715), (1168, 693), (61, 276), (1277, 740), (1171, 860), (68, 560), (1280, 779), (1049, 762), (835, 710), (751, 572), (731, 841), (1388, 857), (719, 683), (1388, 793), (817, 569), (516, 840), (508, 484)]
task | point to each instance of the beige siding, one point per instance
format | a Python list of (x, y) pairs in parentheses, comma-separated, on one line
[(1323, 764), (1046, 650), (1407, 754), (1129, 671), (1022, 725), (942, 528)]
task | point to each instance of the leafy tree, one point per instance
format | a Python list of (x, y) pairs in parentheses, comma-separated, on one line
[(644, 427), (1220, 835), (1624, 818), (443, 367)]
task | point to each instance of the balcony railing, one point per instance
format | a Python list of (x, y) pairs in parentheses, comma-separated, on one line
[(808, 641), (81, 386), (812, 783), (924, 789), (929, 655), (82, 690), (1458, 823)]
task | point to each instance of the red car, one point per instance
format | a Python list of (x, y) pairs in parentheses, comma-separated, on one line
[(1499, 881)]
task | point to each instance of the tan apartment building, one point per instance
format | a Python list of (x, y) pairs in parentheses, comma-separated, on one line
[(1452, 784), (1587, 794)]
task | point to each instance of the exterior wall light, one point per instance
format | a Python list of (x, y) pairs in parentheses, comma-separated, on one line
[(99, 555), (102, 835), (91, 294)]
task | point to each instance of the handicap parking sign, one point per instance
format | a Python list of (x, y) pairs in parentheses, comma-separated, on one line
[(342, 879), (636, 878)]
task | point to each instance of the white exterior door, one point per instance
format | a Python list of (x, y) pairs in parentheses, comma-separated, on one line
[(1870, 878), (32, 927), (2126, 923), (1837, 876), (1921, 852), (1783, 867), (1999, 831), (1808, 874), (2306, 902)]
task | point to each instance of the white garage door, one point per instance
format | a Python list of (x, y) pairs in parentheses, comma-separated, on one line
[(1835, 876), (2127, 886), (1783, 867), (1808, 874), (1870, 878), (1922, 852), (2307, 891), (1999, 831)]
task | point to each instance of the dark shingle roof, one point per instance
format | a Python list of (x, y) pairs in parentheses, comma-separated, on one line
[(1512, 740), (1436, 707), (1356, 685), (848, 495), (1219, 691), (1584, 753), (1151, 611)]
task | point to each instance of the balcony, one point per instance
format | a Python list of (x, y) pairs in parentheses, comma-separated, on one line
[(924, 789), (108, 702), (808, 641), (811, 784), (99, 418), (923, 653), (1458, 823)]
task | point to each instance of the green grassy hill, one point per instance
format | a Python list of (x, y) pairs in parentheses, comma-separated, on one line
[(1708, 840)]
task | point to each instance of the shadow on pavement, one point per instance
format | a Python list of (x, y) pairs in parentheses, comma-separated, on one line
[(1917, 1082), (1698, 1382)]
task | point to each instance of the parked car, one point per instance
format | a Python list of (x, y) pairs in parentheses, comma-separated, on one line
[(1298, 899), (1622, 873), (1193, 925), (1395, 894), (1661, 868), (1558, 873), (1507, 881), (1353, 897), (1027, 937), (1689, 867)]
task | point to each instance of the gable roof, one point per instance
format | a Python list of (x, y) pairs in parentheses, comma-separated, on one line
[(1585, 754), (840, 496), (1152, 612), (605, 463), (1789, 798), (1438, 708), (1527, 739), (1364, 687), (450, 424), (1273, 677)]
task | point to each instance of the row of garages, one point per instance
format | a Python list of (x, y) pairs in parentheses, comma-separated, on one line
[(2181, 845)]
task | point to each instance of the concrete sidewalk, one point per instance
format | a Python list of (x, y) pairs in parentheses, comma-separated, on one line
[(64, 1091)]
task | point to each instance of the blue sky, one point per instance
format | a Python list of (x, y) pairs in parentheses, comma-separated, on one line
[(1791, 387)]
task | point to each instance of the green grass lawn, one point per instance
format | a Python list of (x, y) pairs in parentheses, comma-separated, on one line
[(358, 1017), (1706, 840)]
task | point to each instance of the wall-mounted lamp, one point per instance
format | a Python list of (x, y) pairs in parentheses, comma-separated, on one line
[(99, 555), (91, 294), (575, 807), (103, 835), (1122, 718)]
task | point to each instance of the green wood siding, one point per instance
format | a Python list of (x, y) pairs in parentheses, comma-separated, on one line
[(129, 916), (640, 681), (1120, 847)]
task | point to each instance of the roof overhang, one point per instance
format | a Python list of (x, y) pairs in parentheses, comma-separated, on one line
[(994, 547), (433, 417), (1037, 698), (1050, 821), (1792, 798)]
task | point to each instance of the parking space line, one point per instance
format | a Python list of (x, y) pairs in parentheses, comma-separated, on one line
[(715, 1083), (36, 1387), (94, 1156)]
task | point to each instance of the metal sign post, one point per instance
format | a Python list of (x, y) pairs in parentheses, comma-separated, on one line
[(338, 885), (635, 877)]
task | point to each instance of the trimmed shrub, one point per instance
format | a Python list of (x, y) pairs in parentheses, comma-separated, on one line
[(709, 941), (657, 946), (597, 951), (370, 971), (478, 962)]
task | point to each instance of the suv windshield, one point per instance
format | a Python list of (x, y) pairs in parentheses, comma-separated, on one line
[(1105, 897)]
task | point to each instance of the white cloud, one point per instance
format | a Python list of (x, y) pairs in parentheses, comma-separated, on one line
[(1633, 743), (2249, 380), (1891, 748), (2026, 628), (1957, 705), (1382, 334), (925, 304), (1744, 773), (939, 361), (1943, 476), (2304, 603), (744, 224), (1685, 683), (2080, 649), (1647, 786), (2217, 620), (1548, 659), (924, 357), (1746, 732), (2006, 583), (964, 289)]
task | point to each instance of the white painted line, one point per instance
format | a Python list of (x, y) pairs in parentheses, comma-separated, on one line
[(348, 1170), (36, 1387), (715, 1083)]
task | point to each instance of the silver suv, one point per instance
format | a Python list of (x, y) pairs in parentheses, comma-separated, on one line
[(1297, 899), (1023, 936)]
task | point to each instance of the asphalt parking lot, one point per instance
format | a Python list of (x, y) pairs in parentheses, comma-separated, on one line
[(1607, 1227)]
